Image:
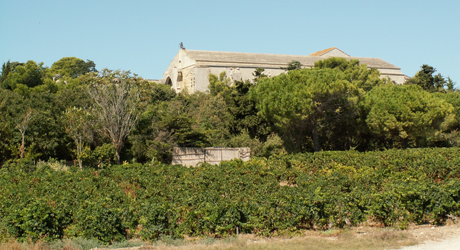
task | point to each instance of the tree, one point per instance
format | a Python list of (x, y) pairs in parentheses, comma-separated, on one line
[(173, 122), (77, 124), (72, 67), (243, 112), (6, 69), (337, 63), (302, 98), (22, 127), (114, 95), (11, 112), (218, 85), (450, 84), (362, 76), (28, 75), (258, 74), (49, 137), (293, 65), (43, 134), (407, 112), (426, 79)]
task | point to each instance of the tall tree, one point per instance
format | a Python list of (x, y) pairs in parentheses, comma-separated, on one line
[(303, 98), (11, 112), (29, 74), (426, 79), (218, 84), (450, 84), (406, 113), (78, 126), (22, 127), (6, 69), (115, 95), (355, 72), (72, 67)]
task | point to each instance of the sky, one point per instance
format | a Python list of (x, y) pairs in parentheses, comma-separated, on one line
[(144, 36)]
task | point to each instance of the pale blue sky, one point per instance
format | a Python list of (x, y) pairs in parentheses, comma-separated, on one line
[(144, 36)]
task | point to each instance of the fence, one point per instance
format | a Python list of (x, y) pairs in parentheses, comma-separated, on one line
[(193, 156)]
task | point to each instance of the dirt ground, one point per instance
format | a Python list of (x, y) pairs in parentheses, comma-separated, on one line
[(433, 238), (414, 238)]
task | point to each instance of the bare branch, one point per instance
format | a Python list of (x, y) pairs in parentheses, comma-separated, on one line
[(115, 95), (22, 127)]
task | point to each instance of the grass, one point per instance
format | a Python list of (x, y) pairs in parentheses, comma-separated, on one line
[(381, 239), (326, 240)]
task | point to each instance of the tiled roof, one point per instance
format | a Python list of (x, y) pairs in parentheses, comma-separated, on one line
[(322, 52), (238, 59)]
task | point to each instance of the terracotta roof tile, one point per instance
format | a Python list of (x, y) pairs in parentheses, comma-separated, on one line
[(322, 52)]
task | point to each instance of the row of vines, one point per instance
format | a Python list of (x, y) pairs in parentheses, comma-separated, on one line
[(263, 196)]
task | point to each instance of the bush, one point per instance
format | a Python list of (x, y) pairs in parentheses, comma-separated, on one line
[(264, 196)]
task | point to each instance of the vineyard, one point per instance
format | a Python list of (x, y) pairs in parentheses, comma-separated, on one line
[(271, 196)]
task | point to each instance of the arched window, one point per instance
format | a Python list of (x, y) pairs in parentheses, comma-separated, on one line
[(168, 81)]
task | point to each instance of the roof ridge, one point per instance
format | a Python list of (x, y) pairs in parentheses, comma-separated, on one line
[(203, 56), (247, 53), (322, 52)]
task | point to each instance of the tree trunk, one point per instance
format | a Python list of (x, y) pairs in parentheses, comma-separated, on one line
[(79, 142), (118, 157), (22, 149), (315, 136), (404, 143), (117, 147)]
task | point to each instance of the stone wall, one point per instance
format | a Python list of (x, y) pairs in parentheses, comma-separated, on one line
[(192, 156)]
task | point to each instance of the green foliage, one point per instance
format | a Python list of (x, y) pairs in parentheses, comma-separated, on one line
[(258, 74), (262, 196), (28, 74), (115, 100), (245, 112), (167, 124), (298, 102), (153, 93), (218, 84), (101, 157), (407, 113), (273, 146), (20, 165), (452, 98), (6, 69), (450, 85), (45, 135), (245, 140), (293, 65), (78, 126), (337, 63), (72, 67), (354, 72), (426, 79)]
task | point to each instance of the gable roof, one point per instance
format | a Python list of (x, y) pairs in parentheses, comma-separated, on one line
[(322, 52), (238, 59), (325, 51)]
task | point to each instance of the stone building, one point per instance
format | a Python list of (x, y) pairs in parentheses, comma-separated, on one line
[(190, 69)]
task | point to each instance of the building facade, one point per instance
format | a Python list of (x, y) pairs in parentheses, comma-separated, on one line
[(189, 70)]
